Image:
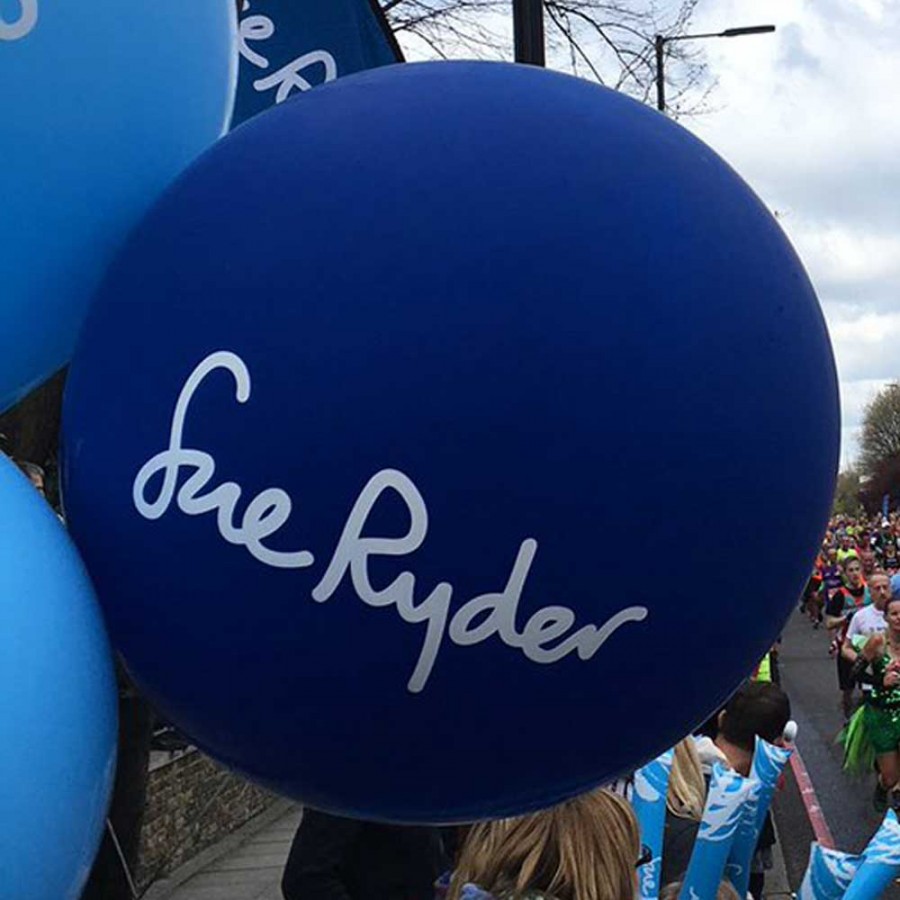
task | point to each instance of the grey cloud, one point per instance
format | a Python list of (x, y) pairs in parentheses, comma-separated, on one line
[(847, 189), (849, 301), (793, 54)]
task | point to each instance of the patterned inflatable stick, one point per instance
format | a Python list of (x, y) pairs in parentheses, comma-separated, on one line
[(718, 827), (880, 862), (829, 873), (651, 785), (768, 764)]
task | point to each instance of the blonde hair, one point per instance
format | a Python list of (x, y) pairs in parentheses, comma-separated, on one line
[(726, 891), (687, 787), (584, 849)]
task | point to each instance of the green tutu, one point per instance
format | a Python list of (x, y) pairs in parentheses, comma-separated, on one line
[(859, 751), (872, 730)]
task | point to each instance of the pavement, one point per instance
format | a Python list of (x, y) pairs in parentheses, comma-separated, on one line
[(246, 865)]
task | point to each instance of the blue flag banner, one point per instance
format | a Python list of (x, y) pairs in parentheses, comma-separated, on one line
[(289, 46)]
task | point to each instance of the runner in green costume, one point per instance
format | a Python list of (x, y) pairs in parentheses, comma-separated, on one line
[(873, 734)]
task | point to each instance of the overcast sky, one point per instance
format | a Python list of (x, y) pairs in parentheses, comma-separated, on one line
[(809, 117)]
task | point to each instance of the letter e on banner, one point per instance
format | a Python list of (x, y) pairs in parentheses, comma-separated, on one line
[(12, 31)]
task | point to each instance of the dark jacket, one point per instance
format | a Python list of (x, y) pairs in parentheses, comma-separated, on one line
[(678, 844), (333, 858)]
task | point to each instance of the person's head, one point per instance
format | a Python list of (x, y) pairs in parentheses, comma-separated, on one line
[(726, 891), (892, 614), (880, 588), (756, 709), (845, 540), (687, 788), (35, 475), (586, 847), (831, 555), (867, 560), (853, 574)]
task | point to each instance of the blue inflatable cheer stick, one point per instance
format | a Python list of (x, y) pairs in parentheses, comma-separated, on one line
[(768, 764), (829, 873), (880, 862), (721, 816), (651, 785)]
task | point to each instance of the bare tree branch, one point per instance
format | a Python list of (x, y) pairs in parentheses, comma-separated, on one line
[(611, 41)]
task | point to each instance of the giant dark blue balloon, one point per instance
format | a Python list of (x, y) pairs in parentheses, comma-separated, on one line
[(419, 439)]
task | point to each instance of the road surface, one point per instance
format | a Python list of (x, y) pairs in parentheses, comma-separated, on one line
[(808, 675)]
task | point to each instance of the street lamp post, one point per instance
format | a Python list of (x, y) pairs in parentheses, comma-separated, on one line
[(660, 46)]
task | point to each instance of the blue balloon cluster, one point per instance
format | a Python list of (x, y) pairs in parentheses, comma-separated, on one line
[(382, 411), (58, 697), (104, 103)]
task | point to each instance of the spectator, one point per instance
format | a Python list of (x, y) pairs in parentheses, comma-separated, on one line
[(333, 858), (35, 475), (758, 709), (687, 784), (587, 847), (726, 891)]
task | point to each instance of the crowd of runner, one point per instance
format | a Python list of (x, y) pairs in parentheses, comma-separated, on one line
[(855, 593)]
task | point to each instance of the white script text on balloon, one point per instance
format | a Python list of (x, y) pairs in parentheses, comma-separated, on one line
[(12, 31), (546, 637)]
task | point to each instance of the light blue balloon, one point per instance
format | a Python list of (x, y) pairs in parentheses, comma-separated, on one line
[(57, 703), (104, 103)]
